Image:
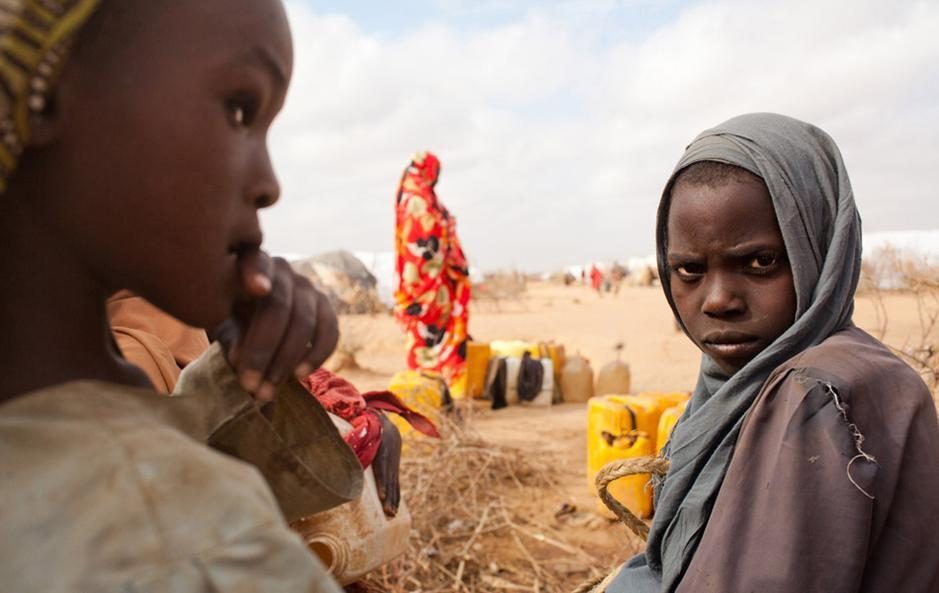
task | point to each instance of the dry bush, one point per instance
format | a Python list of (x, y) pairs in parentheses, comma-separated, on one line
[(499, 288), (892, 271), (474, 528)]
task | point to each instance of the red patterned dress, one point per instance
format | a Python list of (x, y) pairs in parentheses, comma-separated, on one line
[(433, 292)]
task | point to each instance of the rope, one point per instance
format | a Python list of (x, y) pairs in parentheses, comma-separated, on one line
[(657, 466), (620, 469), (588, 586)]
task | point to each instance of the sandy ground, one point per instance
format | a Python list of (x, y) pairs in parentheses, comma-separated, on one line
[(661, 359)]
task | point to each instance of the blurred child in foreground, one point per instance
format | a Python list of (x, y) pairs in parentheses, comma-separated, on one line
[(134, 156)]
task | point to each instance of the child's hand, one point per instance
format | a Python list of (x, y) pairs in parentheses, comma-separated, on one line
[(386, 465), (280, 327)]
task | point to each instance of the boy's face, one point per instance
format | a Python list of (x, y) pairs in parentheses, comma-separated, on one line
[(161, 160), (730, 277)]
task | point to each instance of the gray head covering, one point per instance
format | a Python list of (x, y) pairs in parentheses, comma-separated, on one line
[(814, 204)]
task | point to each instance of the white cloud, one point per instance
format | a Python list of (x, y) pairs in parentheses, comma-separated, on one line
[(555, 147)]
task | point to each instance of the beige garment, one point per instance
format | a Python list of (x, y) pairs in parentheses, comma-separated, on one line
[(157, 343), (87, 503)]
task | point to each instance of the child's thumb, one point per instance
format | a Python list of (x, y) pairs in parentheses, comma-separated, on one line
[(256, 269)]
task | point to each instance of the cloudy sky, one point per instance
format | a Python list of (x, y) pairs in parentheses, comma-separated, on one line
[(558, 121)]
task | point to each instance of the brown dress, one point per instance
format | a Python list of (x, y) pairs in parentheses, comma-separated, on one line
[(834, 482)]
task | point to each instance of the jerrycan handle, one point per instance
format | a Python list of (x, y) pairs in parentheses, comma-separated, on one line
[(632, 417)]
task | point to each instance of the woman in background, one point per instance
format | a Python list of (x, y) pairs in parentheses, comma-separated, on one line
[(433, 288)]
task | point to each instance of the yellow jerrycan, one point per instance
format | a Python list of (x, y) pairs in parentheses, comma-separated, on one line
[(644, 407), (576, 380), (613, 433), (477, 361), (356, 538), (422, 392), (556, 353), (667, 422), (672, 399)]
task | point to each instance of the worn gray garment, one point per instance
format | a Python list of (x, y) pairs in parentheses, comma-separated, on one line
[(814, 203), (110, 488)]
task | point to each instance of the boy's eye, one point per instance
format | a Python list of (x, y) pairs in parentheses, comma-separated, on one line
[(763, 262), (689, 271), (241, 111)]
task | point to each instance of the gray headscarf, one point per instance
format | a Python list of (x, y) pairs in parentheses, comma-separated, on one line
[(814, 204)]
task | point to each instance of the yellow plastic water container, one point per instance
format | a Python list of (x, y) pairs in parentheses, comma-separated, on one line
[(514, 348), (672, 399), (577, 380), (613, 378), (422, 393), (613, 433), (557, 355), (644, 406), (477, 360), (356, 538), (667, 422), (649, 408)]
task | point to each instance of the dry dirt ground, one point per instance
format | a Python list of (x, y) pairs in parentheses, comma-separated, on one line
[(661, 359)]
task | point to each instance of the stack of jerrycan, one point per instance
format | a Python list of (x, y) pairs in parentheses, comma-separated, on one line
[(356, 538), (625, 427), (576, 380), (545, 397), (550, 355), (423, 392)]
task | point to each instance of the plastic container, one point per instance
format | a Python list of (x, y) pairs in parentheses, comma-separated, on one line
[(512, 366), (420, 392), (558, 358), (644, 406), (670, 400), (356, 538), (667, 422), (545, 397), (577, 380), (614, 433), (613, 378), (649, 408), (477, 360)]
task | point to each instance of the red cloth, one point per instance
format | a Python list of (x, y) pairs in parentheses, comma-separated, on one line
[(341, 398)]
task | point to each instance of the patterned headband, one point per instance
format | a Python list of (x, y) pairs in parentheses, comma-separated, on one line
[(35, 36)]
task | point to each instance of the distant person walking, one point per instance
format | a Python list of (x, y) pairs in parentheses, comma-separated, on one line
[(596, 279), (433, 291)]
